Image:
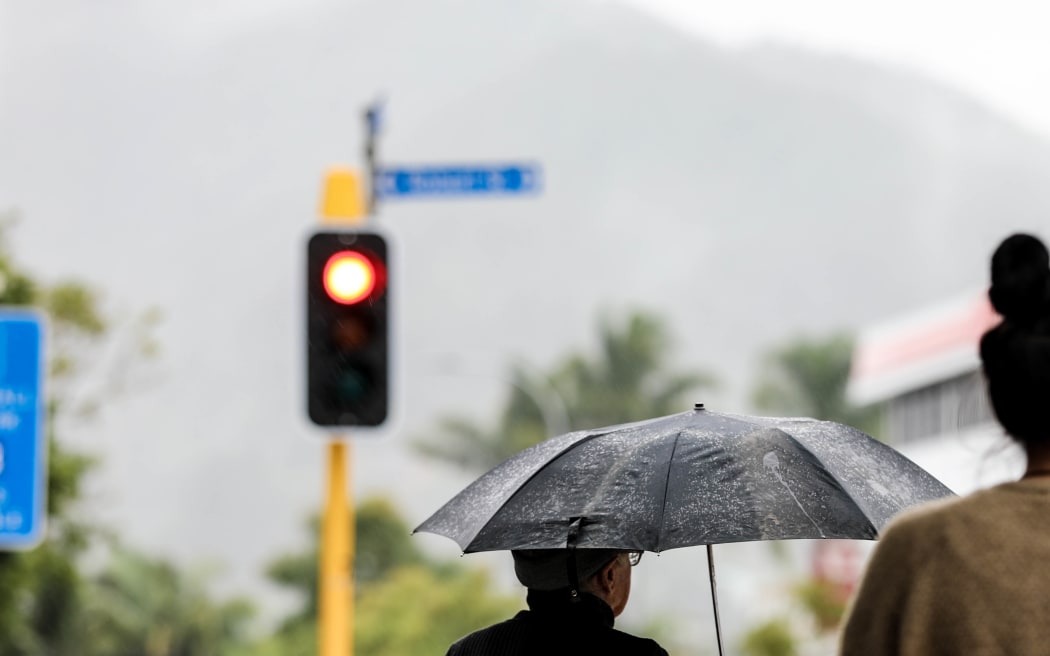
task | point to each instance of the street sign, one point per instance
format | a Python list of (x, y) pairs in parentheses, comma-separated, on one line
[(458, 180), (23, 452)]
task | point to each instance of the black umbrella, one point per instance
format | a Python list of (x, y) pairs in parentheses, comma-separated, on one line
[(693, 478)]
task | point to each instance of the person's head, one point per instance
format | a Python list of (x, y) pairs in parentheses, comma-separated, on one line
[(1015, 354), (605, 573)]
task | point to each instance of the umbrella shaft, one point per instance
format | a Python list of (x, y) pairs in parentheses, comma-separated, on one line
[(714, 597)]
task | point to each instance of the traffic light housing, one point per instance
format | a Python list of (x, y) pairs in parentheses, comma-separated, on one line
[(348, 329)]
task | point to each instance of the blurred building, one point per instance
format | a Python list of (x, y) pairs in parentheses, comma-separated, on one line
[(923, 370)]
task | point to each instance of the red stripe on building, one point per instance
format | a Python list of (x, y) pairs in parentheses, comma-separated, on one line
[(959, 331)]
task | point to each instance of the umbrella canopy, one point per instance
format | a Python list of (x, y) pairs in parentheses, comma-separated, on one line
[(693, 478)]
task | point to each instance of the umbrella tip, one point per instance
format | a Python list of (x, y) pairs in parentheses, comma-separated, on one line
[(698, 406)]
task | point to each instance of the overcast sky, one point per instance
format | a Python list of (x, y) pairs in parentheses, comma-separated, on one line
[(998, 52), (259, 478)]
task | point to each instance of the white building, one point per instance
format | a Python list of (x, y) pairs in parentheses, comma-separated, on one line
[(923, 368)]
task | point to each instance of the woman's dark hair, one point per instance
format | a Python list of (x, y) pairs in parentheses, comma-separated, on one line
[(1016, 353)]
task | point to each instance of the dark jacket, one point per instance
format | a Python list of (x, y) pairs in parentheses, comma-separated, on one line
[(555, 625)]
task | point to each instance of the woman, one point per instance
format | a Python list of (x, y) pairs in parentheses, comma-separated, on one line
[(971, 575)]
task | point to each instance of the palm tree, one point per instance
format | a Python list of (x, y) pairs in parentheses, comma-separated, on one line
[(627, 380), (147, 607), (808, 377)]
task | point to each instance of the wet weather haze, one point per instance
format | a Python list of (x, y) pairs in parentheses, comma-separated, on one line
[(171, 156)]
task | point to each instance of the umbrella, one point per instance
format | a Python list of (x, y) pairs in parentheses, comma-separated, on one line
[(693, 478)]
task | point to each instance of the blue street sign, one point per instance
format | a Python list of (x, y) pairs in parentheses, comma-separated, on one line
[(457, 180), (23, 453)]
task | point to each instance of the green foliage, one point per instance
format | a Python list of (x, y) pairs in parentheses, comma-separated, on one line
[(463, 443), (416, 612), (16, 287), (72, 305), (405, 604), (298, 573), (627, 380), (137, 605), (299, 639), (382, 544), (41, 589), (808, 377), (823, 602), (143, 605), (664, 630), (773, 638)]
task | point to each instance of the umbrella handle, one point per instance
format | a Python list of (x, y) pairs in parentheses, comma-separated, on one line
[(570, 544), (714, 597)]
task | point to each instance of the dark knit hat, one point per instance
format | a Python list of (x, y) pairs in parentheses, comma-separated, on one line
[(548, 569)]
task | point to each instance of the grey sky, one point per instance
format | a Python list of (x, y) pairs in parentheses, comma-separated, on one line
[(172, 155), (998, 52)]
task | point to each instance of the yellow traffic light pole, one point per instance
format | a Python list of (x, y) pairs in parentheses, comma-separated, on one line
[(342, 202), (336, 580)]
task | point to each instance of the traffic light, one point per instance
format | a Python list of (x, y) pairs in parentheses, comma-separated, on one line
[(348, 329)]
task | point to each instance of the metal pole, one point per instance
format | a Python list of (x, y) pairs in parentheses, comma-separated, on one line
[(373, 121), (336, 584), (342, 203), (714, 597)]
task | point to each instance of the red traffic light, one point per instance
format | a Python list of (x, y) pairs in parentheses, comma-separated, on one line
[(349, 277), (347, 329)]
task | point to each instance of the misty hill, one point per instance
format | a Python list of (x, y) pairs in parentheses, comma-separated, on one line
[(174, 155)]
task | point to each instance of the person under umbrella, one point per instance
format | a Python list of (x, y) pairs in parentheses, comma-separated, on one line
[(691, 478), (573, 597), (968, 575)]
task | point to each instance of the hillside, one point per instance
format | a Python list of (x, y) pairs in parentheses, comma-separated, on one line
[(173, 157)]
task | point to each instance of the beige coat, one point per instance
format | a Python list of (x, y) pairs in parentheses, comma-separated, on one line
[(966, 575)]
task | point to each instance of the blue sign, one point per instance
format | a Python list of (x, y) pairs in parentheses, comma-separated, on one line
[(457, 180), (23, 453)]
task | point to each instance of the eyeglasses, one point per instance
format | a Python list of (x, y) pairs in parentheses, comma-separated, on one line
[(634, 557)]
